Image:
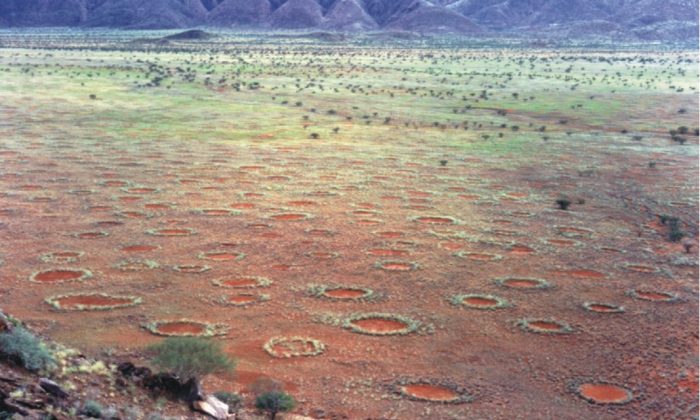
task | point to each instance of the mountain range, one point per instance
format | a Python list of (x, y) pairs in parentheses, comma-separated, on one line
[(625, 19)]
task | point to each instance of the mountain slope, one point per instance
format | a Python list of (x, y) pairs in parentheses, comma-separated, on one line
[(632, 19), (239, 12)]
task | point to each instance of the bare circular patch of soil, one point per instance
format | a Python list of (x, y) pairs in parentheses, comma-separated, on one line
[(139, 248), (435, 220), (479, 256), (544, 326), (562, 243), (518, 249), (397, 266), (435, 391), (653, 295), (60, 275), (574, 232), (91, 302), (319, 232), (91, 234), (221, 256), (286, 347), (641, 268), (479, 301), (388, 252), (217, 212), (603, 308), (291, 217), (524, 283), (301, 203), (134, 214), (381, 324), (114, 183), (191, 268), (139, 190), (186, 328), (172, 232), (342, 293), (368, 222), (62, 257), (604, 393), (242, 282)]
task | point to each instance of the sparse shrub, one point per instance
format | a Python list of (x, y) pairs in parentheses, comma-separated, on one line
[(314, 136), (191, 357), (93, 96), (563, 203), (443, 162), (274, 402), (92, 409), (25, 348), (233, 400)]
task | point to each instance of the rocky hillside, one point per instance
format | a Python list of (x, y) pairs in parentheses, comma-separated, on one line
[(621, 19)]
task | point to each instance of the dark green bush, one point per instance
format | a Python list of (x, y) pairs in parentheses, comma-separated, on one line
[(275, 402), (25, 348), (191, 357), (92, 409)]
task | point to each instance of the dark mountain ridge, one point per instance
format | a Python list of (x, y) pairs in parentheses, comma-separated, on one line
[(623, 19)]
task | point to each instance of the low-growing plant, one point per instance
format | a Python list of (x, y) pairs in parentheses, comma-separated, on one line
[(92, 409), (274, 402), (27, 349), (190, 358), (232, 399), (563, 203)]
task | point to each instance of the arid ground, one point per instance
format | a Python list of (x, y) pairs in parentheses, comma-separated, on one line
[(374, 224)]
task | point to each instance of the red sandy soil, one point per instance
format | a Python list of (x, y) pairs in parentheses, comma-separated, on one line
[(651, 349), (430, 392), (71, 302)]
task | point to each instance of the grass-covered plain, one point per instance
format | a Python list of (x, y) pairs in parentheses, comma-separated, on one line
[(421, 171)]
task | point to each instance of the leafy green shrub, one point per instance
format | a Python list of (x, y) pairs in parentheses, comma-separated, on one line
[(28, 350), (275, 402), (92, 409), (191, 357)]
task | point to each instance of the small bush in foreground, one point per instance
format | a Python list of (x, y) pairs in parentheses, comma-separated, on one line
[(25, 348), (191, 357), (274, 402)]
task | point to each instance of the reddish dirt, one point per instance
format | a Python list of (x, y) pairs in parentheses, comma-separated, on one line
[(72, 302), (379, 325), (604, 393), (480, 301), (180, 328), (344, 293), (58, 275), (430, 392), (239, 282), (471, 348), (242, 299)]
